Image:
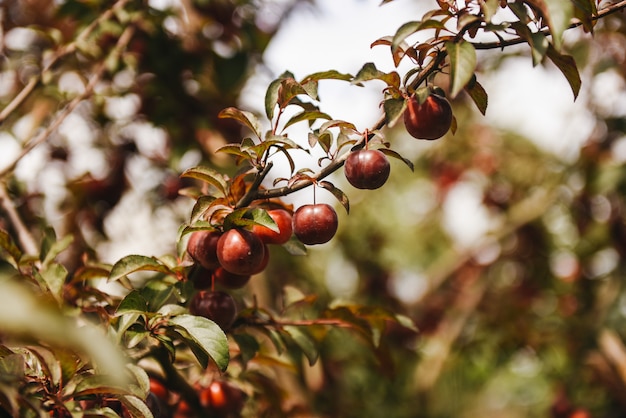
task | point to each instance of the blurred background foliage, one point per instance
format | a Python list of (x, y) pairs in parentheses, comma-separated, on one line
[(521, 317)]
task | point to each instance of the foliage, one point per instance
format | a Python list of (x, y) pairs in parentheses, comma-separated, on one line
[(407, 321)]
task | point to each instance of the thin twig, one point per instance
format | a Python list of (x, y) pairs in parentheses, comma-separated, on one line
[(60, 53), (25, 238)]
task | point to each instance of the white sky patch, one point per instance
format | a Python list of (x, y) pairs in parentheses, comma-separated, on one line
[(465, 218), (20, 39), (539, 104), (342, 277), (71, 82), (10, 149), (135, 229), (408, 286), (122, 107)]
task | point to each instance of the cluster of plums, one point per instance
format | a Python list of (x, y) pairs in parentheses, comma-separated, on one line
[(231, 257), (220, 399)]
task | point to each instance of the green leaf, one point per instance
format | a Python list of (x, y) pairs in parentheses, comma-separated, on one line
[(246, 217), (585, 10), (341, 196), (539, 47), (12, 252), (290, 88), (90, 272), (49, 364), (157, 293), (295, 247), (136, 407), (336, 123), (394, 110), (567, 65), (310, 116), (489, 9), (133, 263), (204, 337), (200, 207), (370, 72), (305, 342), (208, 175), (271, 97), (536, 40), (57, 247), (558, 14), (478, 94), (394, 154), (141, 385), (98, 384), (54, 275), (132, 302), (409, 28), (462, 65), (124, 322), (326, 75), (248, 346), (246, 118), (402, 33)]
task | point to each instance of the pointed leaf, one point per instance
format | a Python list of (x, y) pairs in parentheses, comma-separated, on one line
[(57, 247), (200, 207), (403, 32), (295, 247), (54, 276), (271, 98), (394, 154), (133, 302), (341, 196), (462, 65), (157, 293), (246, 118), (478, 95), (370, 72), (136, 407), (558, 14), (290, 88), (248, 346), (567, 65), (205, 335), (89, 272), (310, 116), (208, 175), (134, 263), (394, 110), (305, 342), (245, 217), (326, 75)]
